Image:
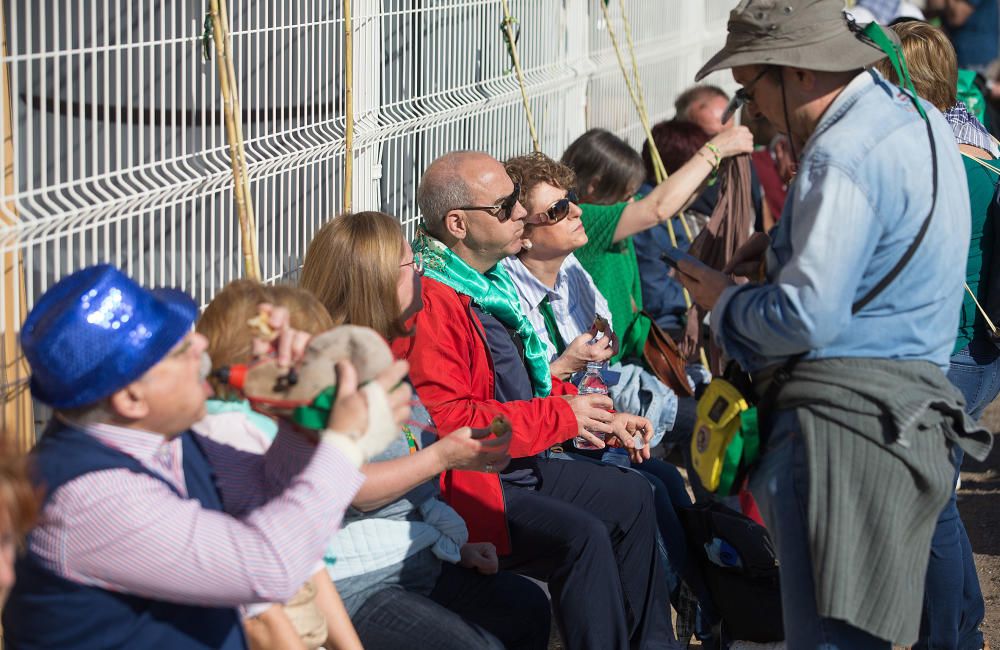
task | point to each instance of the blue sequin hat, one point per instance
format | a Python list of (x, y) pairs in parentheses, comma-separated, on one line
[(96, 331)]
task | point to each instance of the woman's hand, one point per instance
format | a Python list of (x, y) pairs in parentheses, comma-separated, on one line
[(625, 427), (481, 556), (472, 450), (580, 352), (734, 141)]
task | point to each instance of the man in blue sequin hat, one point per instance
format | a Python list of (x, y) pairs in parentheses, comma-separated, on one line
[(150, 535)]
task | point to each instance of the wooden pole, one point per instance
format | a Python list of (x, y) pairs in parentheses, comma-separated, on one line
[(234, 133), (516, 60), (18, 426), (348, 107)]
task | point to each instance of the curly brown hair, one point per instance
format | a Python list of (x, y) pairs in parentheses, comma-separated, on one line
[(535, 168)]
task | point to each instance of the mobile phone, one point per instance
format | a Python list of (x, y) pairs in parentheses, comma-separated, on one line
[(674, 255)]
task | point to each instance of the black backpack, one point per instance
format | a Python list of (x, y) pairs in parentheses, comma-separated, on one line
[(747, 597)]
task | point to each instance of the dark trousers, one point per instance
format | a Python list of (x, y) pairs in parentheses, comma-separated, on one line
[(589, 530), (953, 601), (465, 611)]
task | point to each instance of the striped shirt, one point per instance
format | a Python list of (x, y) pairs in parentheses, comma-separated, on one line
[(574, 299), (969, 130), (131, 533)]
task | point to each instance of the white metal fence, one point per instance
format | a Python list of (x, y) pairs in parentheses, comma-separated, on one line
[(118, 150)]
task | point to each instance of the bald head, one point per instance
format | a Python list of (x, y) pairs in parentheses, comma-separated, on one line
[(450, 182)]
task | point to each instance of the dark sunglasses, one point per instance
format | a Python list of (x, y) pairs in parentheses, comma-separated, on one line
[(557, 211), (742, 97), (503, 210)]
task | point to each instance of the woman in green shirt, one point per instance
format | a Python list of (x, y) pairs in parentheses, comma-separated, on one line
[(609, 173), (953, 600)]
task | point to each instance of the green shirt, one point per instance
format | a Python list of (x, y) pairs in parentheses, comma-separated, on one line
[(982, 183), (616, 273)]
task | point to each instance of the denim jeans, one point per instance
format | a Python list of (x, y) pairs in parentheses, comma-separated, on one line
[(780, 484), (953, 600), (465, 611)]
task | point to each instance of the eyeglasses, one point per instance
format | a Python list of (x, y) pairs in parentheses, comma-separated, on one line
[(742, 97), (417, 263), (503, 210), (557, 211)]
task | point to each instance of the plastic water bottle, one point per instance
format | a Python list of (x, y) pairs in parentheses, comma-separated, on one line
[(591, 384)]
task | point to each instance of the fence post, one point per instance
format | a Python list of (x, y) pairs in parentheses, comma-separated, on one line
[(18, 427)]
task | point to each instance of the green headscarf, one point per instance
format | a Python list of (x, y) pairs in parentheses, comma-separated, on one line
[(494, 293)]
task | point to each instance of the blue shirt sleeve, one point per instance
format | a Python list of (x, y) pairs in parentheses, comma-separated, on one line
[(819, 258)]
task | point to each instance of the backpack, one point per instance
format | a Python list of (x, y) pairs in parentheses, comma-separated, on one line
[(740, 571)]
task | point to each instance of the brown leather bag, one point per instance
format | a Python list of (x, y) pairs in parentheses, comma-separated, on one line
[(664, 359)]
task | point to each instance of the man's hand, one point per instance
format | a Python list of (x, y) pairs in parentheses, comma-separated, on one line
[(481, 556), (592, 411), (748, 259), (580, 352), (626, 427), (364, 421), (704, 283), (471, 450)]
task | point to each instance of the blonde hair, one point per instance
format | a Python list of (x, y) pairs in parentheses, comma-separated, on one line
[(352, 266), (224, 323), (931, 60)]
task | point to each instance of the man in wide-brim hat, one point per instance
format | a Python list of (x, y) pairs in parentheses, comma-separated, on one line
[(850, 329)]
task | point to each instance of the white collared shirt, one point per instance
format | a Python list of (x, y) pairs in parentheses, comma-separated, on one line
[(575, 300)]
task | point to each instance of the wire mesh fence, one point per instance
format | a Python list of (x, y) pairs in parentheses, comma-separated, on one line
[(116, 149)]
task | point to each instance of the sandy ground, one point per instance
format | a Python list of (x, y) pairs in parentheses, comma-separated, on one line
[(979, 503)]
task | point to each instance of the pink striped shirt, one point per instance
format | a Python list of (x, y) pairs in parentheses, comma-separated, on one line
[(129, 532)]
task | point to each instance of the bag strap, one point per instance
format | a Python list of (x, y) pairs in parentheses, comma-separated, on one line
[(982, 162), (986, 317)]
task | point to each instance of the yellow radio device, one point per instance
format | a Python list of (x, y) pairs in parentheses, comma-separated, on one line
[(726, 439)]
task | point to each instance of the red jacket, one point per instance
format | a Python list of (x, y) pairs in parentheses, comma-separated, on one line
[(452, 372)]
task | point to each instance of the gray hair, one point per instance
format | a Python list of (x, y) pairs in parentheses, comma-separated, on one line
[(443, 188), (695, 94)]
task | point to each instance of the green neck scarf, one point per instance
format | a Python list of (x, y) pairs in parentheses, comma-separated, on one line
[(494, 293)]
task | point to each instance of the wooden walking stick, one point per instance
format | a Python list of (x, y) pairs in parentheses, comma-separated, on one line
[(508, 30), (234, 133), (348, 106), (18, 427)]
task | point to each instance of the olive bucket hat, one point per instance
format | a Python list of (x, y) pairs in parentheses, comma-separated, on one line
[(809, 34)]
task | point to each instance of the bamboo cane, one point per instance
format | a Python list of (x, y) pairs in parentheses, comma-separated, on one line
[(644, 121), (659, 169), (234, 133), (18, 420), (512, 46), (348, 106)]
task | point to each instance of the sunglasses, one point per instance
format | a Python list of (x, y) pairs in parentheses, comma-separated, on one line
[(557, 211), (417, 263), (502, 210), (742, 97)]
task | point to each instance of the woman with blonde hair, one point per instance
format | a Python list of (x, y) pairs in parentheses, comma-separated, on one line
[(953, 600), (365, 273)]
